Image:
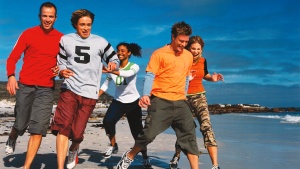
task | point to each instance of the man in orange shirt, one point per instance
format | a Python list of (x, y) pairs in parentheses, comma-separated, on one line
[(164, 94)]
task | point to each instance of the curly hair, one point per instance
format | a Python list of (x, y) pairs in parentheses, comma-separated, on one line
[(134, 48)]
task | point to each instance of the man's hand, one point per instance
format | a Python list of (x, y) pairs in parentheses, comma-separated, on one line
[(111, 66), (66, 73), (144, 101), (105, 70), (12, 85), (55, 70)]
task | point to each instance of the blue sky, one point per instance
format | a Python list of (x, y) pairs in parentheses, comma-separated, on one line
[(255, 44)]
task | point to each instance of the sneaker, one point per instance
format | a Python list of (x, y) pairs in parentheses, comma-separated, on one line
[(110, 150), (10, 146), (125, 162), (215, 167), (174, 162), (146, 163), (72, 159)]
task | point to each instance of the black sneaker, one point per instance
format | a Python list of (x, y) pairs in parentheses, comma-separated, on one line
[(110, 150), (10, 146), (215, 167), (146, 163), (174, 162), (125, 162)]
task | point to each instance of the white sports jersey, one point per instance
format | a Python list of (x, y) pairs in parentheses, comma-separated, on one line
[(84, 57), (126, 91)]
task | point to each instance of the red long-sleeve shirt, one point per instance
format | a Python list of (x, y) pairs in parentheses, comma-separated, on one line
[(40, 52)]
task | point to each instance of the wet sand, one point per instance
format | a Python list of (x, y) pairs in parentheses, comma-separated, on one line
[(91, 149)]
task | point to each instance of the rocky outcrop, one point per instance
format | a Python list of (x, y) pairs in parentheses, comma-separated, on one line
[(4, 95), (218, 109)]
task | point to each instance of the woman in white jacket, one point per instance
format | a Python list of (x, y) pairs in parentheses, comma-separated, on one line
[(125, 100)]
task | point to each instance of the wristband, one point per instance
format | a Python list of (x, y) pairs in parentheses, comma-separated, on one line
[(10, 75)]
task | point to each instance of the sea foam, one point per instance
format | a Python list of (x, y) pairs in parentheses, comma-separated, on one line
[(290, 119), (283, 119)]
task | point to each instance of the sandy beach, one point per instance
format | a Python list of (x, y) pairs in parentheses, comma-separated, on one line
[(248, 141), (91, 149)]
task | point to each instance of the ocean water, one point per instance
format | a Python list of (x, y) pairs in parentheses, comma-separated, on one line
[(258, 141), (253, 141)]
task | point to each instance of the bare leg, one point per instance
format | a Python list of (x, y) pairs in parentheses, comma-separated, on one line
[(193, 159), (74, 146), (131, 154), (144, 153), (213, 153), (177, 151), (112, 140), (32, 148), (62, 142), (13, 135)]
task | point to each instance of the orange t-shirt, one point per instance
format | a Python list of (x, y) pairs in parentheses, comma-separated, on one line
[(199, 71), (170, 73)]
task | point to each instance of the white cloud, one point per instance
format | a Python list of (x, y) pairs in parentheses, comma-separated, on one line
[(147, 30)]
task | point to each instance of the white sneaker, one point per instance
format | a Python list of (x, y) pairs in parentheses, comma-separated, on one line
[(174, 162), (125, 162), (110, 150), (215, 167), (10, 146), (72, 159)]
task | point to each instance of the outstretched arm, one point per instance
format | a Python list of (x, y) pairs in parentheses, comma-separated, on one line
[(214, 78)]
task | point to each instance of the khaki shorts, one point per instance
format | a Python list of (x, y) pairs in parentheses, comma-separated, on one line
[(33, 109), (165, 113)]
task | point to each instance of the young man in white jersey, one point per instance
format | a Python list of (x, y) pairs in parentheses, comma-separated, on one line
[(126, 99), (80, 63)]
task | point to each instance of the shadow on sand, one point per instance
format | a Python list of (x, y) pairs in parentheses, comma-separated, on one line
[(46, 161), (87, 159), (96, 157)]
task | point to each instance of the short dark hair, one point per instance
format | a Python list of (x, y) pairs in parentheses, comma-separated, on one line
[(79, 14), (181, 28), (48, 5)]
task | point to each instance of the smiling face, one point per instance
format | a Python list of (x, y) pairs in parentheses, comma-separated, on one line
[(83, 27), (196, 50), (47, 18), (123, 53), (178, 43)]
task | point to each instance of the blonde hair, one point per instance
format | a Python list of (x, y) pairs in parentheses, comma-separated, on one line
[(195, 39)]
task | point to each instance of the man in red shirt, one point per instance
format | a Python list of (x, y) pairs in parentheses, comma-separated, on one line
[(35, 89)]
